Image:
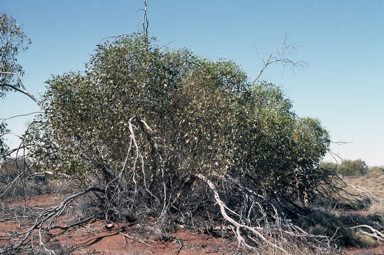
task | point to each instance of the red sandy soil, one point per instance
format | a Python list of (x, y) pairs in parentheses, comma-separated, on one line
[(123, 240), (371, 251), (41, 200), (94, 238)]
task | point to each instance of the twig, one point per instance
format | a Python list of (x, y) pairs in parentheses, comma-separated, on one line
[(51, 215), (24, 90), (135, 239), (277, 56), (235, 223), (181, 247)]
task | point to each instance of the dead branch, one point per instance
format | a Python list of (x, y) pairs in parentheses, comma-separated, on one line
[(135, 239), (138, 159), (23, 90), (43, 224), (277, 56), (74, 224), (20, 115), (145, 22), (9, 185), (374, 232), (256, 231)]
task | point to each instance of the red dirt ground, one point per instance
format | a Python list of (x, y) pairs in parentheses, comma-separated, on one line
[(94, 238)]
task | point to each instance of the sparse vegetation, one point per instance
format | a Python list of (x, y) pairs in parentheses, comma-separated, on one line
[(373, 182), (347, 167), (352, 167)]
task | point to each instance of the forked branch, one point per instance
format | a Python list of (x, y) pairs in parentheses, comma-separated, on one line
[(278, 56), (23, 90), (239, 227), (43, 224)]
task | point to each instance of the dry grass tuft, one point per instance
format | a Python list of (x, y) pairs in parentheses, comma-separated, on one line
[(373, 182), (338, 225), (377, 207)]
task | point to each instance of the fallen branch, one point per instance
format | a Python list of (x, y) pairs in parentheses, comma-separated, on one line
[(237, 225), (48, 217), (135, 239), (375, 233)]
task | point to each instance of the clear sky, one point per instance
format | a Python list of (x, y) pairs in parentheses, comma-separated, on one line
[(343, 42)]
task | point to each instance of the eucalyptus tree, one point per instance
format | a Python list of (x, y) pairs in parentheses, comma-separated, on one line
[(205, 117), (151, 129), (13, 40)]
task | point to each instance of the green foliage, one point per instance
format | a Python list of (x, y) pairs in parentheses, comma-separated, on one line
[(13, 40), (376, 169), (347, 167), (356, 167), (205, 115), (3, 146), (329, 166), (278, 150)]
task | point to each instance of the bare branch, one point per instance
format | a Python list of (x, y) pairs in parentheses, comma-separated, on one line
[(24, 90), (374, 232), (9, 152), (47, 217), (145, 22), (145, 18), (235, 223), (115, 38), (20, 115), (11, 183), (277, 56)]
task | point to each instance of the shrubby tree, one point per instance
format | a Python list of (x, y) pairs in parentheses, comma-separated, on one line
[(154, 127), (205, 116), (356, 167), (347, 167), (376, 168), (151, 129)]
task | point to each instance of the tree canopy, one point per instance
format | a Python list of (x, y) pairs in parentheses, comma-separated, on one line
[(13, 40), (3, 146), (347, 167), (205, 116)]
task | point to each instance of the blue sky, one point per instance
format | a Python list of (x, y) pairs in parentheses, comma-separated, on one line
[(343, 42)]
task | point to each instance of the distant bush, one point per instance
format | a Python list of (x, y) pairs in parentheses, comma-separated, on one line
[(24, 178), (376, 169), (330, 166), (11, 167), (352, 167)]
